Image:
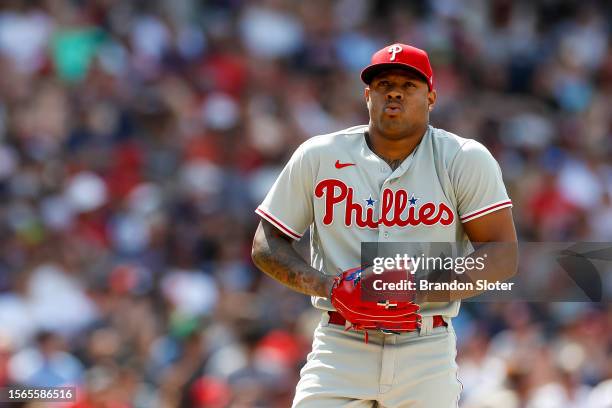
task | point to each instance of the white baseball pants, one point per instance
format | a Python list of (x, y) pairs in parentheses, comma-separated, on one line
[(410, 370)]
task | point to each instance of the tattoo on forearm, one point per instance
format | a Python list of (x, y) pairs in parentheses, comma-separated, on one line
[(277, 258)]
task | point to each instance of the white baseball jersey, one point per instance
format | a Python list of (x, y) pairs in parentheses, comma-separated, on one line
[(347, 194)]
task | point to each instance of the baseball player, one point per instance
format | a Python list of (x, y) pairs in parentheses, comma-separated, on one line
[(396, 179)]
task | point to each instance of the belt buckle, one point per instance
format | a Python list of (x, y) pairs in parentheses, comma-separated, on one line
[(387, 331), (419, 322)]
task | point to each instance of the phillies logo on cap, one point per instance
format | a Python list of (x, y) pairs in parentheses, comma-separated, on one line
[(394, 49), (399, 55)]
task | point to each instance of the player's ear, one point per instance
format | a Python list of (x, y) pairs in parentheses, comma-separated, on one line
[(431, 99), (366, 95)]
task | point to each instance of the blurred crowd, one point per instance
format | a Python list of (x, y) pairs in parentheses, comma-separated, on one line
[(138, 136)]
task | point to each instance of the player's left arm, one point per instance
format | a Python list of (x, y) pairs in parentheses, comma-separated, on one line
[(494, 235), (494, 238), (485, 213), (486, 217)]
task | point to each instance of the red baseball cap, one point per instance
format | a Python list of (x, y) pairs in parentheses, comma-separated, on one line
[(399, 56)]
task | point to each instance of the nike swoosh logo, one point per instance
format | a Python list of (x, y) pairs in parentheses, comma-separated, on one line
[(343, 165)]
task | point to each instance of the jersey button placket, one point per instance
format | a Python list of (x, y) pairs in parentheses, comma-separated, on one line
[(384, 234)]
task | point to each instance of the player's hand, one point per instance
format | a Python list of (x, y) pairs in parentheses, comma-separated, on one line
[(383, 314)]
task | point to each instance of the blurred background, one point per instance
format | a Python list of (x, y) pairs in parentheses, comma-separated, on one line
[(137, 137)]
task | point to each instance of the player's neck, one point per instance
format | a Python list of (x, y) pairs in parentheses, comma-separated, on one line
[(393, 151)]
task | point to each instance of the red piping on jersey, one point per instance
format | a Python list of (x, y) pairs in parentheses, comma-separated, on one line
[(278, 224), (492, 207)]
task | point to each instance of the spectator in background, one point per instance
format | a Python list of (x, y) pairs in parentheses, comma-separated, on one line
[(47, 364)]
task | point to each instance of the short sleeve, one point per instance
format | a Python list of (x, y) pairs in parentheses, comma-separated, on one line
[(288, 205), (477, 181)]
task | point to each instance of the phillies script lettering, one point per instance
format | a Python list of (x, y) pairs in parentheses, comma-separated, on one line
[(393, 205)]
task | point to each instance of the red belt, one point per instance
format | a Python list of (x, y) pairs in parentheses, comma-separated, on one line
[(336, 318)]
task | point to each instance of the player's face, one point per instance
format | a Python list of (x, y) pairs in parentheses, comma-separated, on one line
[(399, 102)]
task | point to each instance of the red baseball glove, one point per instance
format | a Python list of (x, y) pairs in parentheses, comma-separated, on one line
[(391, 317)]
